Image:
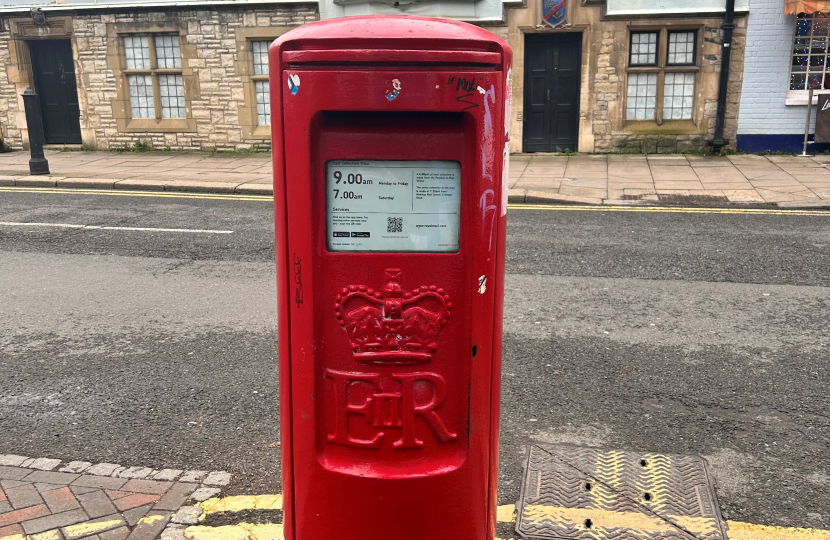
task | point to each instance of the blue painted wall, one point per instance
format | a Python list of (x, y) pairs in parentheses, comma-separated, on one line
[(778, 143)]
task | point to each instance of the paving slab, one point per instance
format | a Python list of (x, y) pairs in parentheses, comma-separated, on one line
[(743, 195), (540, 178), (677, 184), (672, 173)]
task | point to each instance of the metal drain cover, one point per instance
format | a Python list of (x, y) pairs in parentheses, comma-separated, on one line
[(577, 493)]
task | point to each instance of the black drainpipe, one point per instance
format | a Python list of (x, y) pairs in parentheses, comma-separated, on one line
[(728, 25)]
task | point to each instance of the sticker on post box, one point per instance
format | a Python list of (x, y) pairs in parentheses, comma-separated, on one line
[(393, 205)]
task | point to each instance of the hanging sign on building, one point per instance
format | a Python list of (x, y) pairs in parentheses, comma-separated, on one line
[(553, 11), (823, 119)]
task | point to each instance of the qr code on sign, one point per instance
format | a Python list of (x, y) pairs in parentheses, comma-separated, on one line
[(394, 224)]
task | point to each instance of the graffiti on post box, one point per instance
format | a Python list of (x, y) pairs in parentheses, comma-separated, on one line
[(294, 84), (298, 280), (396, 90), (469, 86), (386, 408), (392, 326)]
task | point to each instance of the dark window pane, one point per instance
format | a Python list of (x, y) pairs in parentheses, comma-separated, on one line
[(797, 81), (802, 27)]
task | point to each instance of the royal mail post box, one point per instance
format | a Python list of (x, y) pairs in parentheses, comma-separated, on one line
[(390, 186)]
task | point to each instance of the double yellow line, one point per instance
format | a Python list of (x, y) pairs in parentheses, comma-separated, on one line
[(505, 514), (549, 207)]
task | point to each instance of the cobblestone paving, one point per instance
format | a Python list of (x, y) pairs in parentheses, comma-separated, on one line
[(46, 499)]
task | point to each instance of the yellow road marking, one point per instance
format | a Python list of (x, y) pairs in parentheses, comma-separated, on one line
[(566, 207), (54, 534), (88, 529), (751, 531), (240, 531), (506, 513), (139, 193), (607, 519), (238, 503), (149, 520), (673, 209), (737, 529)]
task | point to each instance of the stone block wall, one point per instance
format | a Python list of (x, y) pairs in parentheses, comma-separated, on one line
[(613, 134), (605, 48), (215, 86), (11, 104)]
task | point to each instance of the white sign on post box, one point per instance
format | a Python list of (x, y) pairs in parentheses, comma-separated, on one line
[(393, 205)]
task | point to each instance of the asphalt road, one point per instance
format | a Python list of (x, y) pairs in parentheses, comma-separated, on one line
[(656, 332)]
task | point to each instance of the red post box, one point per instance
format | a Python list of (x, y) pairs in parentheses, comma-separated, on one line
[(390, 186)]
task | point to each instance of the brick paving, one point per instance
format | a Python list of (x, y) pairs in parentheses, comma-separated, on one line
[(42, 500)]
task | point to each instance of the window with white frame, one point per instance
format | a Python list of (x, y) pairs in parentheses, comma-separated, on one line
[(662, 69), (809, 57), (260, 80), (154, 76)]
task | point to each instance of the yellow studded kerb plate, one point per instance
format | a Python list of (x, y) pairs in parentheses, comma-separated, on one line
[(578, 493)]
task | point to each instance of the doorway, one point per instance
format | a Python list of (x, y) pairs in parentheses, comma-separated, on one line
[(54, 74), (551, 92)]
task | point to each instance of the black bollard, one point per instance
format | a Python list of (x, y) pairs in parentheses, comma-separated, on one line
[(34, 120)]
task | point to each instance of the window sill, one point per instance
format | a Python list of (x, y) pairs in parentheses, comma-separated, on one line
[(262, 132), (165, 125), (800, 100), (668, 127), (657, 69)]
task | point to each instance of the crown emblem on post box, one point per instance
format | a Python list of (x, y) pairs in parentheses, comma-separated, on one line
[(392, 326)]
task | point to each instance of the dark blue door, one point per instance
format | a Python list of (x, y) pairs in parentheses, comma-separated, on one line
[(551, 95), (54, 73)]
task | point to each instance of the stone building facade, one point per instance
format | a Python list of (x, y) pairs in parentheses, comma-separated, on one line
[(196, 79), (200, 74), (606, 76)]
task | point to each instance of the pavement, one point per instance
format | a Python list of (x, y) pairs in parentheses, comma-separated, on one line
[(45, 499), (139, 328), (737, 180), (784, 181), (159, 171)]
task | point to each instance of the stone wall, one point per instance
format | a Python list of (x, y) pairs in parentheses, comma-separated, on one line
[(12, 117), (605, 46), (215, 84), (614, 134)]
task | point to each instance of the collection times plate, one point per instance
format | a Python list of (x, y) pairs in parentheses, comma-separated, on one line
[(393, 205)]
